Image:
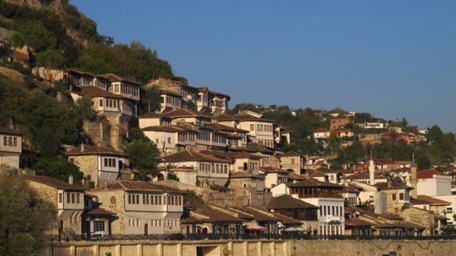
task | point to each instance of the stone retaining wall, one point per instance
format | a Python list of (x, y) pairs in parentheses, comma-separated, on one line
[(254, 248)]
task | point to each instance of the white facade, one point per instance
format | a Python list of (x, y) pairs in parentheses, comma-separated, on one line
[(10, 149), (330, 215), (438, 185)]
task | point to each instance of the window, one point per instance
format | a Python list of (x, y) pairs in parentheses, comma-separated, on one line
[(252, 127), (72, 198), (68, 198), (60, 198), (101, 103), (98, 226), (78, 198), (401, 196), (393, 197)]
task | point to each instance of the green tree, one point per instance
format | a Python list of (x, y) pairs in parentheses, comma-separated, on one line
[(24, 218), (34, 34), (150, 100), (59, 169), (49, 59), (143, 154), (50, 123)]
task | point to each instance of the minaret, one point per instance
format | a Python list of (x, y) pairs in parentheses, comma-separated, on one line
[(371, 170), (413, 178)]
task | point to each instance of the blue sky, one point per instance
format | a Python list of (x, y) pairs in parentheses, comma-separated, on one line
[(393, 59)]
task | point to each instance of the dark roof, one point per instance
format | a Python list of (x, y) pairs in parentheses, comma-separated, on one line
[(357, 223), (314, 183), (246, 117), (288, 202), (362, 176), (225, 117), (184, 113), (188, 155), (160, 128), (93, 150), (9, 132), (391, 185), (239, 175), (273, 170), (225, 128), (116, 78), (139, 186), (99, 211), (151, 115), (92, 91), (258, 214), (58, 184), (210, 216)]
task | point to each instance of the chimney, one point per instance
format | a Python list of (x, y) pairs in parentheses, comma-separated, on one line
[(389, 183), (371, 170), (82, 147), (413, 178), (70, 179)]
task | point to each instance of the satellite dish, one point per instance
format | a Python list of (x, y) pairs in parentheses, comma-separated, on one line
[(189, 97)]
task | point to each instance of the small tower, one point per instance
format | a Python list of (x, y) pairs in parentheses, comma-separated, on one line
[(413, 178), (371, 170)]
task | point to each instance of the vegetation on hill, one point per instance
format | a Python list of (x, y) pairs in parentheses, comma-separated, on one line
[(24, 218), (438, 150), (67, 38)]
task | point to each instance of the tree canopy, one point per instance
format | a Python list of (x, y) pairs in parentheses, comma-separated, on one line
[(23, 218)]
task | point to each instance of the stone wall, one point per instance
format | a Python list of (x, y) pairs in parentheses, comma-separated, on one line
[(253, 248)]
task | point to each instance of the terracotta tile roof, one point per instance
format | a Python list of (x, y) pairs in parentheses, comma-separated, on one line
[(285, 220), (220, 94), (187, 155), (345, 171), (326, 170), (288, 202), (433, 201), (380, 161), (357, 223), (391, 185), (428, 174), (273, 170), (318, 130), (99, 211), (363, 176), (58, 184), (232, 155), (225, 117), (93, 150), (92, 91), (414, 201), (142, 186), (258, 214), (211, 216), (180, 113), (246, 117), (151, 115), (295, 176), (160, 128), (116, 78), (240, 175), (225, 128), (314, 183), (254, 147)]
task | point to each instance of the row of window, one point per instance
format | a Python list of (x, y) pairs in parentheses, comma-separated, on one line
[(214, 168), (267, 143), (9, 141), (153, 223), (148, 199), (127, 89), (71, 198), (326, 210), (110, 103), (402, 196), (110, 162)]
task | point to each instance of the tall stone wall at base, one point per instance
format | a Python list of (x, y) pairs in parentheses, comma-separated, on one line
[(254, 248)]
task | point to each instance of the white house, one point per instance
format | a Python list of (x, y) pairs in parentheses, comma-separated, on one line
[(10, 147)]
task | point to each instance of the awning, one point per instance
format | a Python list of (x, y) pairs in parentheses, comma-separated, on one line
[(256, 227), (294, 229)]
